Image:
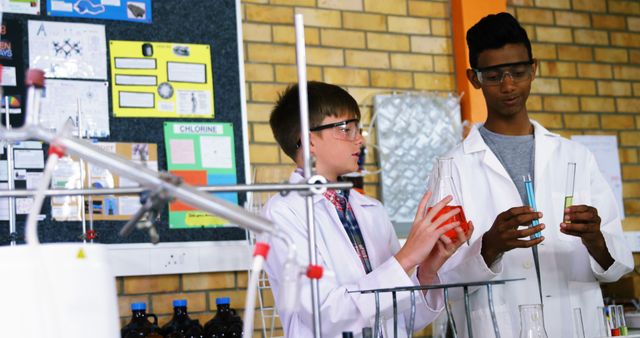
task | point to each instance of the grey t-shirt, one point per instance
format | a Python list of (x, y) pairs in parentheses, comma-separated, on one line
[(516, 153)]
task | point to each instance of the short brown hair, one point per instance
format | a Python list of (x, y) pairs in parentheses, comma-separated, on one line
[(324, 100)]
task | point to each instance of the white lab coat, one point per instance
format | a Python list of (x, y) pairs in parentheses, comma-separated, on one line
[(569, 274), (342, 311)]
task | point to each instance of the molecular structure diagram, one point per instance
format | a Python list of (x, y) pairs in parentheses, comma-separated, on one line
[(67, 48)]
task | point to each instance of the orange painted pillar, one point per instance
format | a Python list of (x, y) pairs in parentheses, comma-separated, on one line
[(465, 14)]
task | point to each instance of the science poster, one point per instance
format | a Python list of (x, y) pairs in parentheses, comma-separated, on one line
[(122, 10), (201, 154), (12, 72), (158, 79)]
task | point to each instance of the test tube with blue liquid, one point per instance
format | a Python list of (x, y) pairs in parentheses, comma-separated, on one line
[(528, 186)]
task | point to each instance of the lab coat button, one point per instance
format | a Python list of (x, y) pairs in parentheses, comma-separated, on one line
[(527, 265)]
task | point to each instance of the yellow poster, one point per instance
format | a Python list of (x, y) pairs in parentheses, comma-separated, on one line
[(161, 79)]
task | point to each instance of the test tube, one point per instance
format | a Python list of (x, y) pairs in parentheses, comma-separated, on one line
[(604, 329), (603, 325), (624, 331), (528, 185), (569, 187), (614, 320)]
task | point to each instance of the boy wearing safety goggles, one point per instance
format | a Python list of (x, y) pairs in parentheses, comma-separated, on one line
[(580, 246), (355, 238)]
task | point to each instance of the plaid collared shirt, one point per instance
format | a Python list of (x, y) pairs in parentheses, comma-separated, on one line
[(350, 224)]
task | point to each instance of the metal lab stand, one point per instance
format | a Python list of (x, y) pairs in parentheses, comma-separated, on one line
[(465, 286), (10, 177)]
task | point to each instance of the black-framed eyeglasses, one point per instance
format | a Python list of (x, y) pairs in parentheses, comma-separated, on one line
[(494, 75), (347, 130)]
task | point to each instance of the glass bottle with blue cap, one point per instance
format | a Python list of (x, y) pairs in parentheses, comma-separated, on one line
[(139, 326), (180, 324), (226, 323)]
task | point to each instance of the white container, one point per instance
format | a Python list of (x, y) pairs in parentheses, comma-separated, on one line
[(56, 291), (632, 319)]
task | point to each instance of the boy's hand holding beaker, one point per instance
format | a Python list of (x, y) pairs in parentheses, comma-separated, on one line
[(425, 233), (444, 248)]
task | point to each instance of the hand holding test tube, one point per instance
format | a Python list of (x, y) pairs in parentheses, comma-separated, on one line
[(528, 185), (583, 221)]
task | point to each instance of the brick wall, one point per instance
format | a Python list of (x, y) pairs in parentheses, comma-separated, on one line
[(588, 83), (367, 46)]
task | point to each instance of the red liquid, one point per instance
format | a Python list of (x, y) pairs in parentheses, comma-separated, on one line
[(459, 217)]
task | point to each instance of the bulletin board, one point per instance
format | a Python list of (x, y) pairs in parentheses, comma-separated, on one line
[(214, 24)]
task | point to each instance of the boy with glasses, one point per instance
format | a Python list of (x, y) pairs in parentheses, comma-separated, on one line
[(580, 246), (355, 238)]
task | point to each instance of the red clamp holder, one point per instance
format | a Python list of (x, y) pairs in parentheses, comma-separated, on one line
[(91, 234), (34, 77), (261, 249), (53, 149), (314, 271)]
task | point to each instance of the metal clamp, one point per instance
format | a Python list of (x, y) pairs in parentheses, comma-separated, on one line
[(317, 179), (153, 202)]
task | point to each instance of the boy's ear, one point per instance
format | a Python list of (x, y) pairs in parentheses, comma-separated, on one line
[(473, 78), (312, 142)]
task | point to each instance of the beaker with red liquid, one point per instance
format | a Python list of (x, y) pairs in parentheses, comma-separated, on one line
[(443, 187)]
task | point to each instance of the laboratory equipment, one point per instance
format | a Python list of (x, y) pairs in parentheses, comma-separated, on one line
[(445, 186), (140, 326), (56, 285), (616, 315), (225, 323), (10, 176), (531, 199), (614, 320), (180, 322), (301, 66), (569, 186), (445, 287), (532, 321), (632, 319), (604, 327), (260, 252), (624, 330)]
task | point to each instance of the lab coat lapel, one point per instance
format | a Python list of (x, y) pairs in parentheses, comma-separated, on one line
[(545, 148), (475, 143)]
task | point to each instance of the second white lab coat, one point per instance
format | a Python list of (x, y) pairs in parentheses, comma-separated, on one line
[(570, 276), (340, 310)]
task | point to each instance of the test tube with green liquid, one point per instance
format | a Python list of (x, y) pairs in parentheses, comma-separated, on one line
[(571, 180)]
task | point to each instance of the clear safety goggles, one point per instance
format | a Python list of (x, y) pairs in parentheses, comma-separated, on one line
[(494, 75), (347, 130)]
